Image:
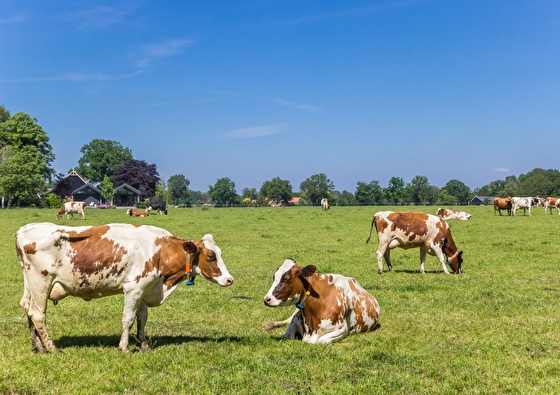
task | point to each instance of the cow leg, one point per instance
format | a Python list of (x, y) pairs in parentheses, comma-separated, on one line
[(381, 251), (36, 344), (38, 328), (295, 330), (131, 305), (278, 324), (441, 258), (141, 318), (387, 257), (422, 260)]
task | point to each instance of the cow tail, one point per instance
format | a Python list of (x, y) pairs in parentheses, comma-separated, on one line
[(371, 229)]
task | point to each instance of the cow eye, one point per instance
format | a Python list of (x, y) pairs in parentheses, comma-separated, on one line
[(286, 280)]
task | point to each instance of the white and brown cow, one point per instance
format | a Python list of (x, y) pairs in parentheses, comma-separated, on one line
[(329, 307), (453, 214), (409, 230), (142, 262), (325, 204), (71, 208), (550, 203), (521, 202), (137, 213)]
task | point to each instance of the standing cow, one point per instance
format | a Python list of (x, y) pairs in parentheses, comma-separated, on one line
[(409, 230), (551, 203), (71, 208), (502, 204), (329, 307), (521, 202), (325, 204), (160, 207), (142, 262)]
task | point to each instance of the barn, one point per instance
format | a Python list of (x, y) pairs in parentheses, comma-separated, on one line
[(481, 200)]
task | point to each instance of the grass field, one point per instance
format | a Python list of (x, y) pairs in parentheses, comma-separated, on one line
[(492, 330)]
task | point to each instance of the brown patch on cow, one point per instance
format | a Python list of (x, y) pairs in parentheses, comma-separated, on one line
[(90, 253), (328, 305), (380, 224), (361, 325), (411, 224), (30, 249), (443, 231), (45, 272), (169, 261)]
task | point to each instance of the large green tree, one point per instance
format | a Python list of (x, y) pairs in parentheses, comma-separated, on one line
[(178, 185), (223, 192), (102, 158), (459, 190), (419, 190), (370, 193), (277, 189), (316, 187), (395, 191), (21, 179), (25, 158)]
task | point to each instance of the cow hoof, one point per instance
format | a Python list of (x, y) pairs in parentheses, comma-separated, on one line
[(144, 346)]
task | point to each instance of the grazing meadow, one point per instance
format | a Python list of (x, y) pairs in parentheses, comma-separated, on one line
[(492, 330)]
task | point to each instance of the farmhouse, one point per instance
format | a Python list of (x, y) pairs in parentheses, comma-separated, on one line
[(84, 191), (481, 200)]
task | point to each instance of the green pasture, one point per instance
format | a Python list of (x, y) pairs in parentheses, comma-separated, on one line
[(492, 330)]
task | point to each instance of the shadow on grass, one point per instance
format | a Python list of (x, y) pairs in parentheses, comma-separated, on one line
[(154, 341)]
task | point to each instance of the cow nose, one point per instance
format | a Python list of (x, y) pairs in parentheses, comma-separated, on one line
[(267, 300), (229, 281)]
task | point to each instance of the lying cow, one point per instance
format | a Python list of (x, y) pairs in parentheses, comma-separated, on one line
[(409, 230), (453, 214), (502, 204), (521, 202), (160, 207), (329, 306), (137, 213), (142, 262), (71, 208)]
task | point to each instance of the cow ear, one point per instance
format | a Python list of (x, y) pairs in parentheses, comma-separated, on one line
[(190, 247), (308, 270)]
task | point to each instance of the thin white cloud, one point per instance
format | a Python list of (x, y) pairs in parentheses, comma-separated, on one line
[(100, 17), (18, 18), (151, 52), (502, 169), (75, 77), (257, 131), (298, 106)]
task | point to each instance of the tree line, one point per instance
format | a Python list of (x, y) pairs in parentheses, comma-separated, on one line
[(28, 179)]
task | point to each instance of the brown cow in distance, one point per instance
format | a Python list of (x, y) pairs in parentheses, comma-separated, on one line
[(502, 204)]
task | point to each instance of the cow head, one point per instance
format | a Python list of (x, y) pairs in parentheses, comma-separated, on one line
[(288, 285), (207, 260), (455, 261)]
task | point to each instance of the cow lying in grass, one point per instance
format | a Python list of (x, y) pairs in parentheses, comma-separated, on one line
[(329, 307), (137, 213)]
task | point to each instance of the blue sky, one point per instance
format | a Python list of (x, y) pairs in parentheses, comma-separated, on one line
[(255, 89)]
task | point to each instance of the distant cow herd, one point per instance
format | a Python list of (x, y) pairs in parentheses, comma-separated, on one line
[(512, 204), (146, 264)]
